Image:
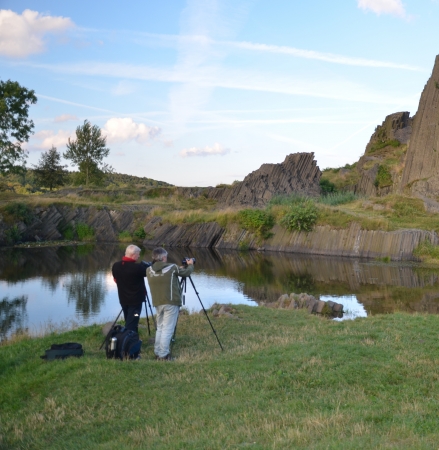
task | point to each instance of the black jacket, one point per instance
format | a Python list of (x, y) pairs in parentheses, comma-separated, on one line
[(130, 280)]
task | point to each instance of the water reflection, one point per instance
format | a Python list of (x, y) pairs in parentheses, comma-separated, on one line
[(87, 291), (59, 283), (12, 315)]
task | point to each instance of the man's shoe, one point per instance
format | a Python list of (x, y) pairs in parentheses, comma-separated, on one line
[(168, 357)]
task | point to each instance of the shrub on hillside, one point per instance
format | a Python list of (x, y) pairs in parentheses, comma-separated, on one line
[(301, 217), (84, 232), (255, 220), (139, 233), (383, 178), (19, 212), (327, 187)]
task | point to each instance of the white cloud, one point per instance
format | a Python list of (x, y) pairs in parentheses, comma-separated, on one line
[(216, 149), (49, 138), (23, 35), (65, 118), (125, 129), (393, 7)]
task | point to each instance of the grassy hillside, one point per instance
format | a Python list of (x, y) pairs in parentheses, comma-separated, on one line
[(285, 380), (26, 183)]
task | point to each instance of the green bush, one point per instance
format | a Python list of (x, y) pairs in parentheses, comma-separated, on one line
[(327, 187), (255, 220), (84, 232), (20, 212), (13, 235), (68, 233), (383, 178), (301, 217), (139, 233)]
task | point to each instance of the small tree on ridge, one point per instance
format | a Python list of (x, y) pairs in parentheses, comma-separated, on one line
[(49, 172), (88, 150)]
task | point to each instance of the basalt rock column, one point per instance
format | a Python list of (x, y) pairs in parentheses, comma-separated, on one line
[(299, 173), (421, 171)]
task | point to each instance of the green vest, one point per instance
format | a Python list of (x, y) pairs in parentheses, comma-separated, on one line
[(164, 282)]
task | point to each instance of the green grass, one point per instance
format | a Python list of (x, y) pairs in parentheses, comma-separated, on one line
[(125, 236), (427, 252), (338, 198), (286, 380), (379, 145)]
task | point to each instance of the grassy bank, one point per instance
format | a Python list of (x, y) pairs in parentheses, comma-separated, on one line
[(285, 380)]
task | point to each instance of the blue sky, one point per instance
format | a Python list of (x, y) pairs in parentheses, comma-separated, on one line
[(202, 92)]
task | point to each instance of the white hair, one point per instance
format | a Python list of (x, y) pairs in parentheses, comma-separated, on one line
[(131, 250)]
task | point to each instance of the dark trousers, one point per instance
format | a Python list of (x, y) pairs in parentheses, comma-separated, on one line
[(132, 316)]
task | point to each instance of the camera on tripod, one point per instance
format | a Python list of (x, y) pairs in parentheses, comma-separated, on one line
[(184, 260)]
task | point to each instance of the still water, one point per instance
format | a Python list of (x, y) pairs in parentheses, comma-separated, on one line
[(50, 287)]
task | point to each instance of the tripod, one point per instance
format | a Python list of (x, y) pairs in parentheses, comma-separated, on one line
[(183, 283), (147, 319)]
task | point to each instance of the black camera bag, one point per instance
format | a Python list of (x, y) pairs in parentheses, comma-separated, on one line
[(128, 343), (62, 351)]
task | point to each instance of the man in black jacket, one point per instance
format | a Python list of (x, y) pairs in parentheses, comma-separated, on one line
[(130, 280)]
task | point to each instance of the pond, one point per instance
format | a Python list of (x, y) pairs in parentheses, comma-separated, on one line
[(48, 288)]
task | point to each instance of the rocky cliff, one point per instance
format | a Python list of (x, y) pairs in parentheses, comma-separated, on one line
[(50, 223), (389, 140), (351, 242), (298, 173), (421, 171)]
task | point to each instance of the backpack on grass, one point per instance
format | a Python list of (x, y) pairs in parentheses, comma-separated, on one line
[(122, 343), (62, 351)]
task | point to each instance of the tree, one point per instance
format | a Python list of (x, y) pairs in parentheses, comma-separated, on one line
[(15, 127), (88, 150), (49, 172)]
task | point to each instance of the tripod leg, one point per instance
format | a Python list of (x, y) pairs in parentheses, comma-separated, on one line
[(114, 323), (205, 312), (147, 318), (152, 314)]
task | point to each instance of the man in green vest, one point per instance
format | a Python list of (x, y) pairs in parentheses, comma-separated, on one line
[(166, 297)]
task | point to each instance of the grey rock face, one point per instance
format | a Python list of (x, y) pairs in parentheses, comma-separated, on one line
[(397, 126), (422, 161), (49, 222), (323, 240), (299, 173)]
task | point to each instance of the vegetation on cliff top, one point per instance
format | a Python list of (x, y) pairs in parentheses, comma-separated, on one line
[(285, 380)]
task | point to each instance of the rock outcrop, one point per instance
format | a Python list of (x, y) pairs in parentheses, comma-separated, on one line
[(323, 240), (49, 223), (396, 127), (299, 173), (421, 172), (309, 302)]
